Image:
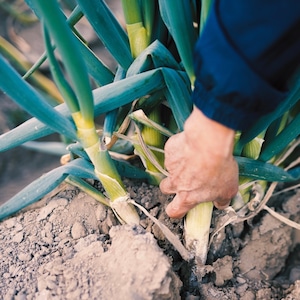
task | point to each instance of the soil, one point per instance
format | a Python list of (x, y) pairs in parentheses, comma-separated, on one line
[(68, 246)]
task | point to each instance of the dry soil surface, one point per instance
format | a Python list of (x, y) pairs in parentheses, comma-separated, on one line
[(68, 246)]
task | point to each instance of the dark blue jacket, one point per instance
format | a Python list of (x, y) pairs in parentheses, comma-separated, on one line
[(247, 52)]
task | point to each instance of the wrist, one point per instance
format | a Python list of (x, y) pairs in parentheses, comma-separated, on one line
[(201, 131)]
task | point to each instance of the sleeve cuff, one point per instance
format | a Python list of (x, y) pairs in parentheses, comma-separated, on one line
[(227, 89)]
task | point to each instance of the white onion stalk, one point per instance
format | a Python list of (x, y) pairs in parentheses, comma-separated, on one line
[(197, 229)]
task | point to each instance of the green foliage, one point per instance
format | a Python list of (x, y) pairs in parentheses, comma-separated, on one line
[(108, 29), (31, 101), (155, 69), (45, 184), (177, 16)]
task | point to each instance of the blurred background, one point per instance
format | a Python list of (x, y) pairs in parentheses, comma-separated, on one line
[(21, 43)]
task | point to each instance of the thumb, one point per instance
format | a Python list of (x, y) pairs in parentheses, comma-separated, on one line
[(177, 209)]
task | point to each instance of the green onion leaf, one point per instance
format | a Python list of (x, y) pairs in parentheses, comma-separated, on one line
[(23, 94), (45, 184), (178, 18), (55, 22), (108, 29), (264, 171)]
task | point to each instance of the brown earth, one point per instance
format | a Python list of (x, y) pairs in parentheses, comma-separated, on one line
[(68, 246)]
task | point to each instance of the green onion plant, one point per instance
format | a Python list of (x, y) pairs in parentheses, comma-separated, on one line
[(145, 100)]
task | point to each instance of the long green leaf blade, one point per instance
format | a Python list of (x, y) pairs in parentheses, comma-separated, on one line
[(43, 185), (178, 96), (148, 9), (122, 92), (108, 29), (265, 121), (106, 98), (55, 22), (111, 116), (31, 129), (205, 8), (178, 18), (58, 76), (264, 171), (25, 96), (54, 148), (282, 140), (154, 56), (96, 68), (124, 169)]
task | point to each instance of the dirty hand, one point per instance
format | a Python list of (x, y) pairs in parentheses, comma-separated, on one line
[(201, 165)]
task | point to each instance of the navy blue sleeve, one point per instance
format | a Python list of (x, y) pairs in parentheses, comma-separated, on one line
[(244, 59)]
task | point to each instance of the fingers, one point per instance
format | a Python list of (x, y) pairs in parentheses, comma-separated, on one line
[(167, 187), (186, 200), (177, 208), (224, 202), (221, 205)]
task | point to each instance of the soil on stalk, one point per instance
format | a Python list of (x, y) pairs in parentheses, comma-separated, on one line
[(68, 246)]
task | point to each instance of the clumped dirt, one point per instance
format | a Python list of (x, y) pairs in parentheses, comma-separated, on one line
[(68, 246), (69, 249)]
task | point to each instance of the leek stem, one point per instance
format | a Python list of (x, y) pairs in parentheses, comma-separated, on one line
[(205, 8), (137, 33), (197, 228), (105, 170)]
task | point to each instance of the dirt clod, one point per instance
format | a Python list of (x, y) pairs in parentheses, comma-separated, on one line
[(223, 270), (71, 247)]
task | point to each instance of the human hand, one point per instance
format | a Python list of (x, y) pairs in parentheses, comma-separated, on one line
[(201, 165)]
